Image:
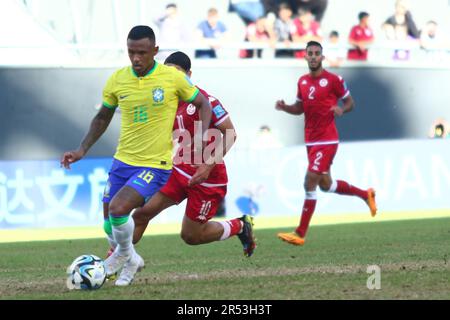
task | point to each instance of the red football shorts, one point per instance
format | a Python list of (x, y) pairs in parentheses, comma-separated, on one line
[(202, 201), (320, 157)]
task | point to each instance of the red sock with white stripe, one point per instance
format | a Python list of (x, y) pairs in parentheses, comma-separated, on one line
[(308, 210), (342, 187), (230, 228)]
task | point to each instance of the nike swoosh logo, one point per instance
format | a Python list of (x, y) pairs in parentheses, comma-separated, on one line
[(138, 183), (122, 97)]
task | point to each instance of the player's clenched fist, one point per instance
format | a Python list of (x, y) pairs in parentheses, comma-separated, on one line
[(280, 105)]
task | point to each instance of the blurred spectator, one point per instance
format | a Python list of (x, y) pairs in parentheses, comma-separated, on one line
[(401, 23), (272, 6), (316, 7), (212, 33), (307, 29), (431, 37), (172, 31), (360, 37), (265, 139), (258, 32), (248, 10), (439, 129), (285, 30), (401, 28), (335, 53)]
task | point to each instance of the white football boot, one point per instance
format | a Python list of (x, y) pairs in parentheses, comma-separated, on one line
[(115, 262), (133, 266)]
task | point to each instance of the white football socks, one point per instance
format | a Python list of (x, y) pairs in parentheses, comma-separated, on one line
[(123, 235), (112, 241)]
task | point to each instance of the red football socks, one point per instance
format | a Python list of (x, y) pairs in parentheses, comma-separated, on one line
[(235, 226), (349, 190), (308, 210)]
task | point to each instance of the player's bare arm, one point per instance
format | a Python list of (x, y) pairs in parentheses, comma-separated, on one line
[(348, 105), (98, 126), (203, 105), (295, 109), (228, 135)]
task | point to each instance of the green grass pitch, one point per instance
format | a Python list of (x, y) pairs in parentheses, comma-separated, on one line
[(412, 255)]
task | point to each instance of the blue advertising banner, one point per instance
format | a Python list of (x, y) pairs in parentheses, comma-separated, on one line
[(41, 194), (407, 174)]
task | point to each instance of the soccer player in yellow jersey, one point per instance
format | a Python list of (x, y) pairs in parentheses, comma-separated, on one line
[(148, 94)]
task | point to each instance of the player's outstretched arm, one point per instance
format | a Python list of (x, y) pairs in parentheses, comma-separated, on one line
[(98, 126), (296, 108)]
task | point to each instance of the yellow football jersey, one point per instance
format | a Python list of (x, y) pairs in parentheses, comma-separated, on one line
[(148, 107)]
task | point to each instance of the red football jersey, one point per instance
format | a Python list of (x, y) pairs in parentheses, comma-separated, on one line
[(359, 34), (318, 95), (187, 114)]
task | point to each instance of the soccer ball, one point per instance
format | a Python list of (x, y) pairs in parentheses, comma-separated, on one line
[(87, 272)]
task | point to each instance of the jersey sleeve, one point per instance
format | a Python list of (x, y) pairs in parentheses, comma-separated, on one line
[(219, 114), (186, 91), (340, 88), (109, 97), (352, 35)]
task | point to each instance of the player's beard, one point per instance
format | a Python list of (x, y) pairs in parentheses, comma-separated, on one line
[(317, 67)]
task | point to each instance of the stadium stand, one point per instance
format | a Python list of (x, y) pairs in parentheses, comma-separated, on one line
[(87, 31)]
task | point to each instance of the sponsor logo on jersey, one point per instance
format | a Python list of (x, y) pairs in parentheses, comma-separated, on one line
[(190, 109), (304, 82), (158, 95), (219, 111), (323, 83)]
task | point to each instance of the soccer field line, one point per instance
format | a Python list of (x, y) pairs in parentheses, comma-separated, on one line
[(25, 235)]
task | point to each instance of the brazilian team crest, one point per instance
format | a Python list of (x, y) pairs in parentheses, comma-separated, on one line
[(158, 95)]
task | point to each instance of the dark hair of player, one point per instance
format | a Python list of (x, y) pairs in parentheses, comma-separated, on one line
[(180, 59), (314, 43), (362, 15), (141, 32)]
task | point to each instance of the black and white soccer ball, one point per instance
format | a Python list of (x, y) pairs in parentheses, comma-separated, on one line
[(87, 272)]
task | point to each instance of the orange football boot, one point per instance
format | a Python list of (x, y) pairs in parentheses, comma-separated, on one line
[(292, 238), (371, 202)]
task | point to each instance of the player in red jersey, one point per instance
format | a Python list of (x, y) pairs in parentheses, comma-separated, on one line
[(203, 185), (317, 97)]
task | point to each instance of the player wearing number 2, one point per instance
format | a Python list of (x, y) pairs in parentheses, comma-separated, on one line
[(318, 93)]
